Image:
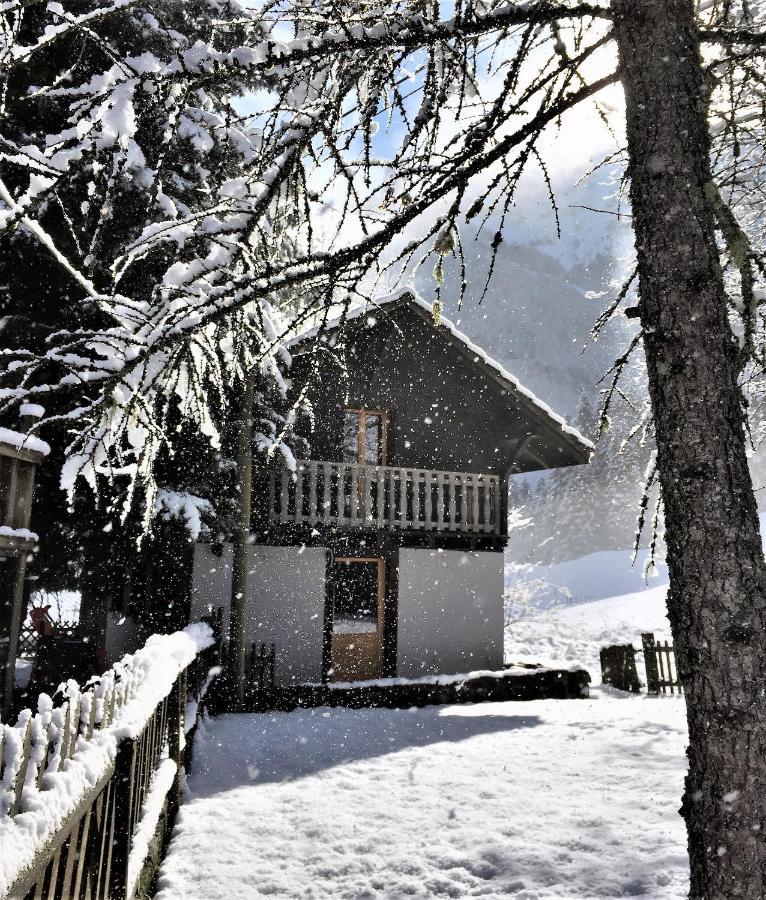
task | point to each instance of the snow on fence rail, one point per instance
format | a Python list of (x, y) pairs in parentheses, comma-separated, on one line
[(87, 784)]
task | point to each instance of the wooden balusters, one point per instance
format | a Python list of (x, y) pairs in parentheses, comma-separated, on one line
[(299, 492), (349, 494)]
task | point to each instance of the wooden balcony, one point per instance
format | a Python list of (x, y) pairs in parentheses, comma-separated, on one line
[(386, 497)]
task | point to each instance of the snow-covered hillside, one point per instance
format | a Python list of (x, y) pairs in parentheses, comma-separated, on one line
[(562, 614), (606, 573), (572, 636)]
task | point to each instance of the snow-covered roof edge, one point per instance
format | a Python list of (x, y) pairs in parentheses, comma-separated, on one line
[(20, 441), (404, 294)]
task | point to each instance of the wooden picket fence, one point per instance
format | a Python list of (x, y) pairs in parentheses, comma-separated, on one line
[(660, 663), (618, 666), (89, 855)]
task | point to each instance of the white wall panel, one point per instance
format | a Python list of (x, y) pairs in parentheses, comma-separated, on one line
[(286, 598), (450, 612)]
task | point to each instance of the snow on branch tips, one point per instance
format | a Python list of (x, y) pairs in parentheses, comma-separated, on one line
[(212, 180), (185, 508)]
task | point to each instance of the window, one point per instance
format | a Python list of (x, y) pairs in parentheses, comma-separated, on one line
[(365, 436)]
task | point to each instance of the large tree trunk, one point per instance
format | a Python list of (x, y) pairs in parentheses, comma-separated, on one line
[(717, 570)]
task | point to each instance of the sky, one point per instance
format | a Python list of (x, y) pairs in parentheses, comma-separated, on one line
[(548, 289), (572, 147)]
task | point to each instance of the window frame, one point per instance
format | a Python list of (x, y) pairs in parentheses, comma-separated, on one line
[(361, 444)]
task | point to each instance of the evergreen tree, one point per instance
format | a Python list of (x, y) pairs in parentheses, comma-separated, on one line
[(158, 153)]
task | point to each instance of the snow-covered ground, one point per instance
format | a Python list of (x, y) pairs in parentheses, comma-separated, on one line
[(23, 671), (572, 635), (533, 801)]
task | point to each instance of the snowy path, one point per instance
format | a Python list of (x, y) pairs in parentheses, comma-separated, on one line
[(532, 801)]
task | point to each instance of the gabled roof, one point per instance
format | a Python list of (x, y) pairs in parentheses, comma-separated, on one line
[(490, 367)]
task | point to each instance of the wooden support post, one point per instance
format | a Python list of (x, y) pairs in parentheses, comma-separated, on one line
[(242, 541), (16, 618)]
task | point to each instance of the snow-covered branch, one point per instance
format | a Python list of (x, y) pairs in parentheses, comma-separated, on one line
[(213, 180)]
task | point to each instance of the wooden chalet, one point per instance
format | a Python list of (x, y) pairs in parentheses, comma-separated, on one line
[(380, 554)]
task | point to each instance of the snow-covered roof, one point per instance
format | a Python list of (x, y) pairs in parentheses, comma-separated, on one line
[(408, 295), (20, 441)]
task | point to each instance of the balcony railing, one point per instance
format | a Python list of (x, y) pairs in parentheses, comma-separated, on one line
[(385, 497)]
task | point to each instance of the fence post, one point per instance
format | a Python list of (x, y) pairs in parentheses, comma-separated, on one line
[(618, 667), (650, 662), (124, 781), (176, 737), (21, 774)]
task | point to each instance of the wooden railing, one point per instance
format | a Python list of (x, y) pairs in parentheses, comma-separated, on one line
[(347, 494), (127, 751)]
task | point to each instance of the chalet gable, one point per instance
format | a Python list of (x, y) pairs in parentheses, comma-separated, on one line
[(452, 406)]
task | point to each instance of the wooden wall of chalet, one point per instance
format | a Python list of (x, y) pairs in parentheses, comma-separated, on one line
[(446, 413)]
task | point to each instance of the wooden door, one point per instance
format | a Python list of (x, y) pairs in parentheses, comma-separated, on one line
[(359, 590)]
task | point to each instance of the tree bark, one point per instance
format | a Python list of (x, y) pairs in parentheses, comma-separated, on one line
[(240, 567), (715, 558)]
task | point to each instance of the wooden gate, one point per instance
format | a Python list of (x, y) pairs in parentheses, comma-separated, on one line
[(660, 662)]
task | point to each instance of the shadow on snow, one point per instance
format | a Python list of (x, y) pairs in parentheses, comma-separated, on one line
[(236, 750)]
